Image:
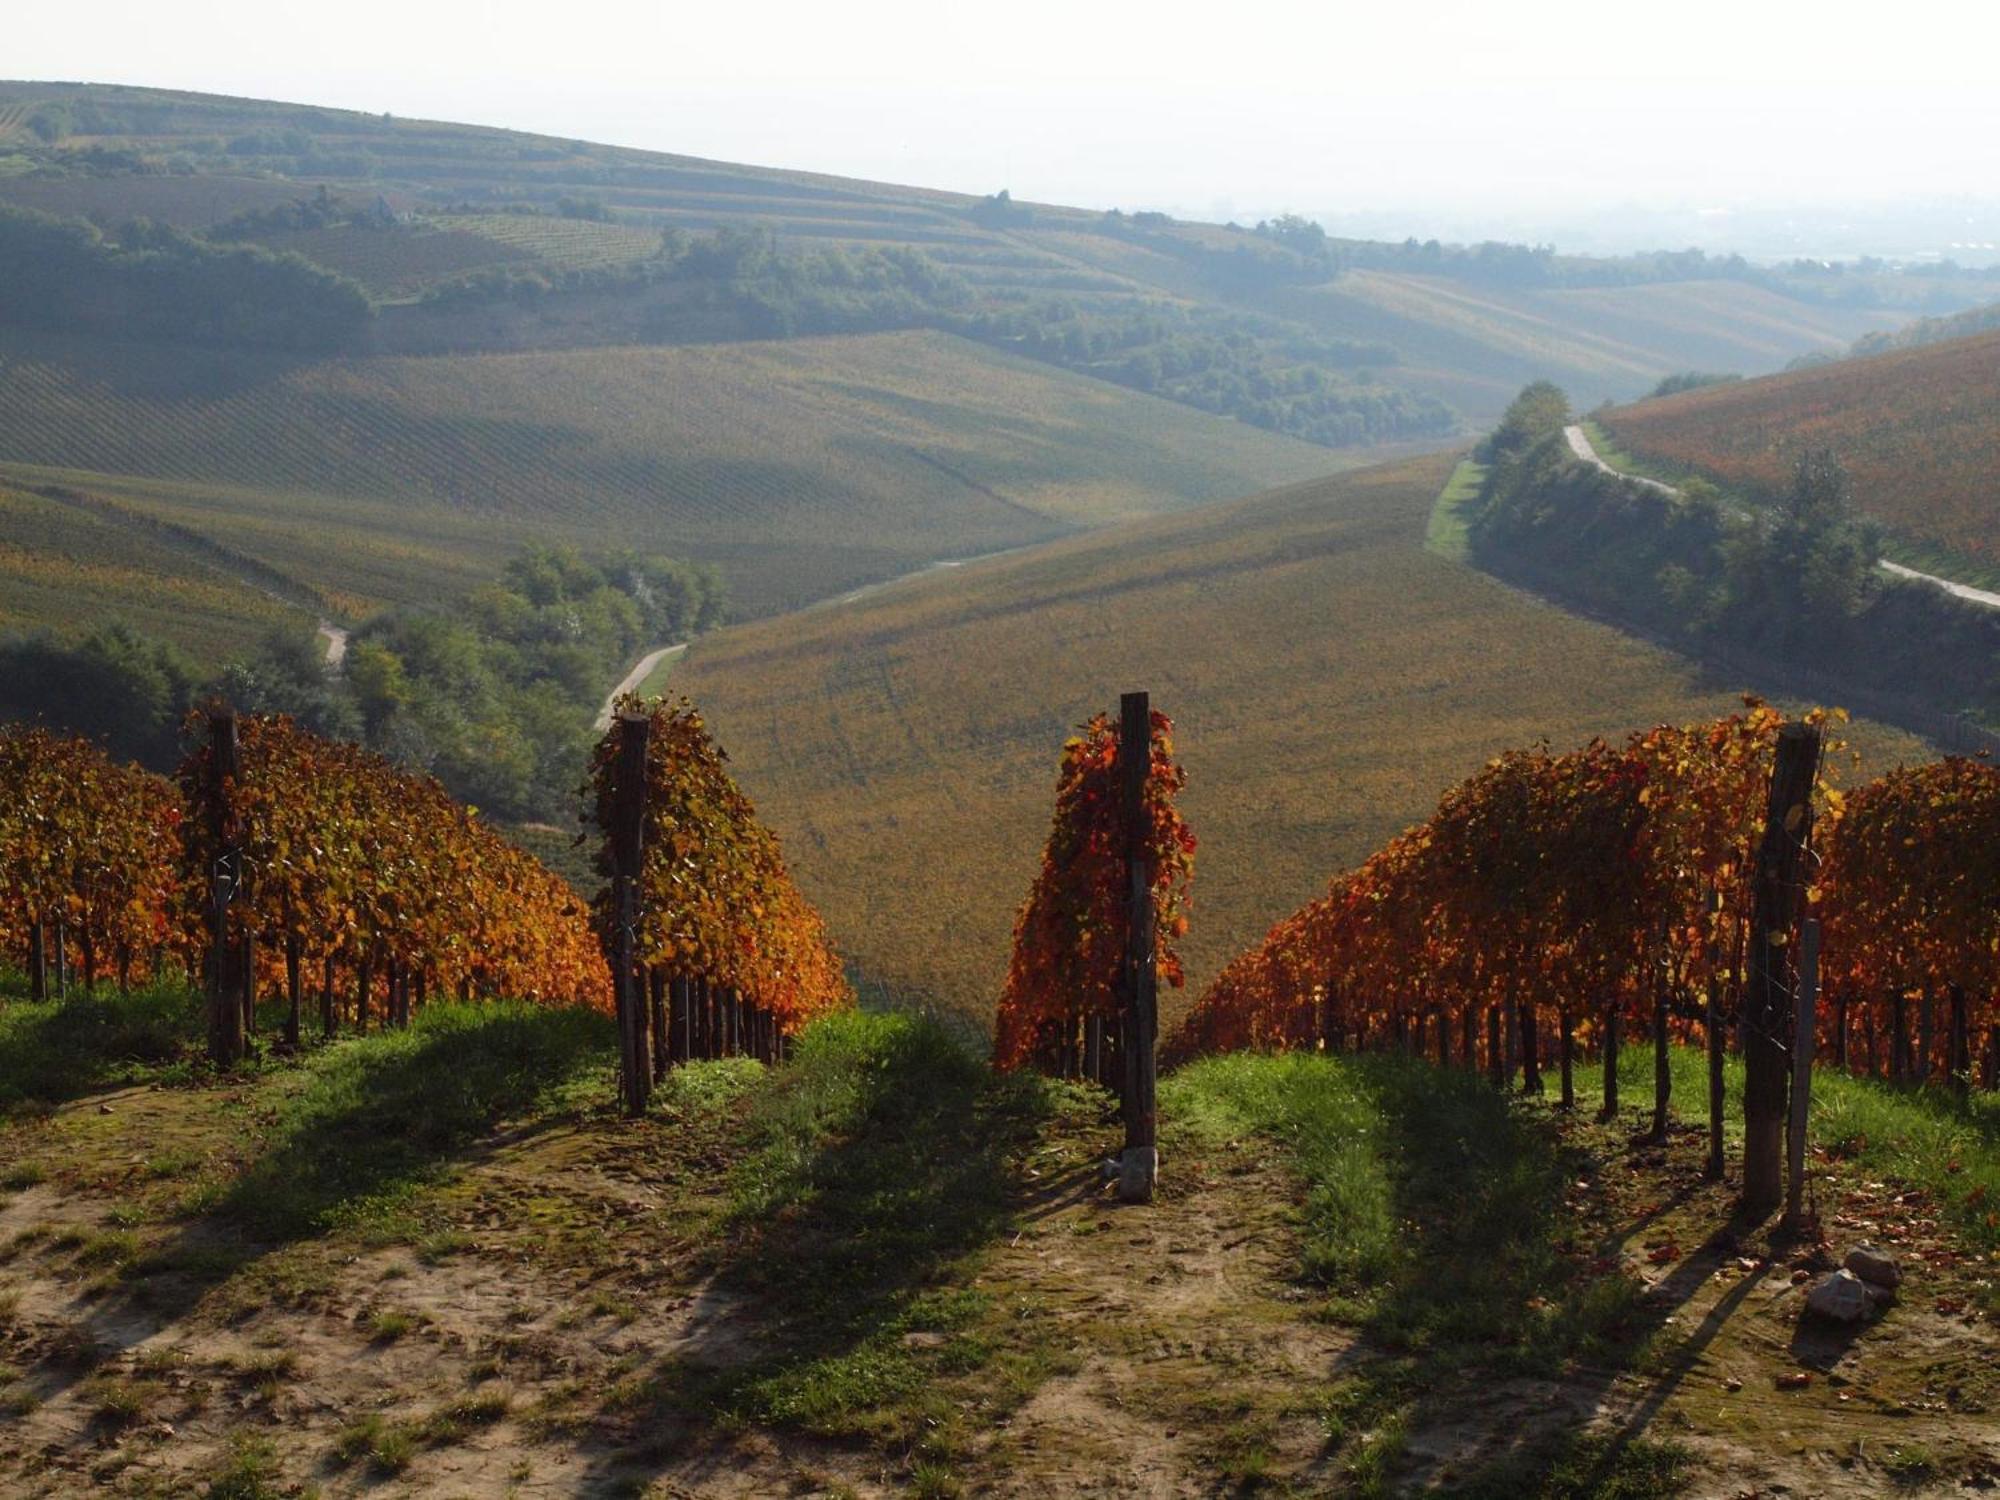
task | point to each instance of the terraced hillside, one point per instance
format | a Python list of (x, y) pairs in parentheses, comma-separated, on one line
[(1325, 673), (804, 467), (1918, 428)]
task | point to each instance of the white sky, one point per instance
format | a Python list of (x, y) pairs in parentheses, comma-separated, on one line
[(1232, 107)]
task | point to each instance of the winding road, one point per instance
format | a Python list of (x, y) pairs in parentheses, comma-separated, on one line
[(1579, 444), (652, 659), (631, 680)]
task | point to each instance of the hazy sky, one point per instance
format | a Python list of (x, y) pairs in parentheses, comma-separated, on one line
[(1236, 108)]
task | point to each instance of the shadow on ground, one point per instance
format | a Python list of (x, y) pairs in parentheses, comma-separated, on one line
[(882, 1157)]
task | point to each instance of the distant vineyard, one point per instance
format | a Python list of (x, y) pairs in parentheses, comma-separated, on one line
[(397, 262), (803, 467), (568, 243), (1919, 429)]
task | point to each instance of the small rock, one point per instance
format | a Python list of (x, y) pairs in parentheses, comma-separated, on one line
[(1801, 1275), (1840, 1295), (1874, 1265), (104, 1109), (923, 1339)]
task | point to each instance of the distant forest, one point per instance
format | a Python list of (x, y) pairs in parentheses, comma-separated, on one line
[(494, 696)]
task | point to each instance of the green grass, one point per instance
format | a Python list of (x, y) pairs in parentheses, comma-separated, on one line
[(877, 1169), (373, 1119), (1446, 534), (58, 1049)]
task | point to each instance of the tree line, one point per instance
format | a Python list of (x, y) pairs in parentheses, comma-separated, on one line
[(144, 280)]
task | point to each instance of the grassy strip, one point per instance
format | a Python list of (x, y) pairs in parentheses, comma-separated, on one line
[(879, 1168), (374, 1118), (1445, 534), (61, 1048), (1433, 1218)]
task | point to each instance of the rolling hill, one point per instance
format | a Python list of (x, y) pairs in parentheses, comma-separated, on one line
[(1918, 428), (1476, 346), (456, 200), (1328, 678), (803, 467)]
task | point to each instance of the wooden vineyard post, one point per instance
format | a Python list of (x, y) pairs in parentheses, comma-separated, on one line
[(656, 997), (1712, 1036), (1495, 1061), (1140, 1164), (225, 1002), (1767, 1000), (292, 991), (1804, 1035), (627, 831)]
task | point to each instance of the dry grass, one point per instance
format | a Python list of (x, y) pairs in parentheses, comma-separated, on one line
[(1328, 677)]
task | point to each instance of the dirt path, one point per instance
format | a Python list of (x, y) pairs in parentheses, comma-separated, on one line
[(1175, 1350), (629, 683), (336, 643), (643, 668), (1580, 445)]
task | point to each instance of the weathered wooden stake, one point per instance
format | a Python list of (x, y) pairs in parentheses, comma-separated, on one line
[(38, 962), (1496, 1061), (225, 983), (1713, 1034), (292, 990), (1926, 1036), (627, 831), (1767, 1001), (1961, 1044), (1804, 1039), (1140, 1165), (1663, 1075)]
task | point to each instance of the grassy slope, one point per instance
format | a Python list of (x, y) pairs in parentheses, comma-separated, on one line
[(1918, 428), (1328, 678), (803, 467), (881, 1269)]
